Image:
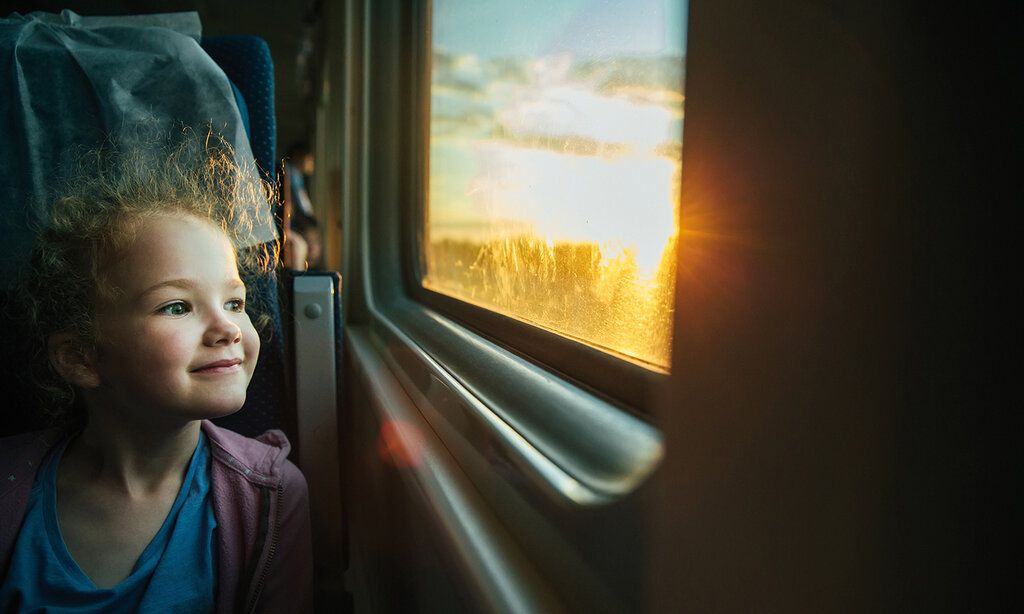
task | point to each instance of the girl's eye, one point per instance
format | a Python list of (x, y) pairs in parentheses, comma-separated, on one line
[(174, 309), (237, 305)]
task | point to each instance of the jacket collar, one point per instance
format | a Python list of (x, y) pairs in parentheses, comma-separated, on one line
[(260, 460)]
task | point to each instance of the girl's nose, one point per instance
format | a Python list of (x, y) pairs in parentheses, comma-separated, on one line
[(222, 331)]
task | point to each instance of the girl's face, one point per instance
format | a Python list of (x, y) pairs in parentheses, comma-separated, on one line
[(175, 341)]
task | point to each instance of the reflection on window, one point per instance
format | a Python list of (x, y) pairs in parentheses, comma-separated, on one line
[(555, 152)]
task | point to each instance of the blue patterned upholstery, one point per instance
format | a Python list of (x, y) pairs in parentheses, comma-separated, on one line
[(247, 63), (243, 110)]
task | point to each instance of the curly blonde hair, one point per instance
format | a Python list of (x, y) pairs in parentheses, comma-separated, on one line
[(110, 194)]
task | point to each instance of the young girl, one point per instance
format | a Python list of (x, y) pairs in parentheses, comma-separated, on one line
[(138, 503)]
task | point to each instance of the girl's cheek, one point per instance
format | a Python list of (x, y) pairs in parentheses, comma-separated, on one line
[(252, 337)]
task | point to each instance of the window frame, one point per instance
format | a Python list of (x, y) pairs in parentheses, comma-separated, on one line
[(575, 442)]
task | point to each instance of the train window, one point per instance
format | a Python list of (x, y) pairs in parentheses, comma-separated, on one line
[(554, 157)]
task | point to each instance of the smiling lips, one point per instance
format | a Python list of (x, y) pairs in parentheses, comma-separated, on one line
[(221, 366)]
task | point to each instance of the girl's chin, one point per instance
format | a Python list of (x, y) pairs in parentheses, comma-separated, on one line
[(223, 412), (214, 410)]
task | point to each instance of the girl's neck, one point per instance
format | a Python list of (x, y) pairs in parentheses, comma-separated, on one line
[(136, 459)]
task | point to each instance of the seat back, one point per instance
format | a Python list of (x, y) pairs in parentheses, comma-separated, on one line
[(247, 63)]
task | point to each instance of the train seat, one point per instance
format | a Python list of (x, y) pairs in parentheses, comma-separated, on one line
[(247, 64), (64, 60)]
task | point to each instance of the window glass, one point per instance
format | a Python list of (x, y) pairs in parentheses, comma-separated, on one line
[(555, 160)]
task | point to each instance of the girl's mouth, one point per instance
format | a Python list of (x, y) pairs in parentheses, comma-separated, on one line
[(221, 366)]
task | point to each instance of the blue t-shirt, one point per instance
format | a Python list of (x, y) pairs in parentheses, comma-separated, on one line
[(174, 573)]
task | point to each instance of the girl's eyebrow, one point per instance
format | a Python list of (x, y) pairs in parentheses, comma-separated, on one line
[(186, 284), (181, 282)]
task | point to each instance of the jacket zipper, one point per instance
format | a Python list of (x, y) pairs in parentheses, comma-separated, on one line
[(270, 553)]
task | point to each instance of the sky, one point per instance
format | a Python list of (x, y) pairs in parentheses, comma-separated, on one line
[(563, 119), (495, 28)]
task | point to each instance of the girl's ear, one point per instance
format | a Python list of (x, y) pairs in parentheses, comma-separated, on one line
[(72, 360)]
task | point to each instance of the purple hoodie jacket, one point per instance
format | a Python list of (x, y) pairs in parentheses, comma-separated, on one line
[(260, 500)]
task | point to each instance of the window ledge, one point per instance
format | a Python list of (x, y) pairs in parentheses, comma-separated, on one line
[(574, 444)]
